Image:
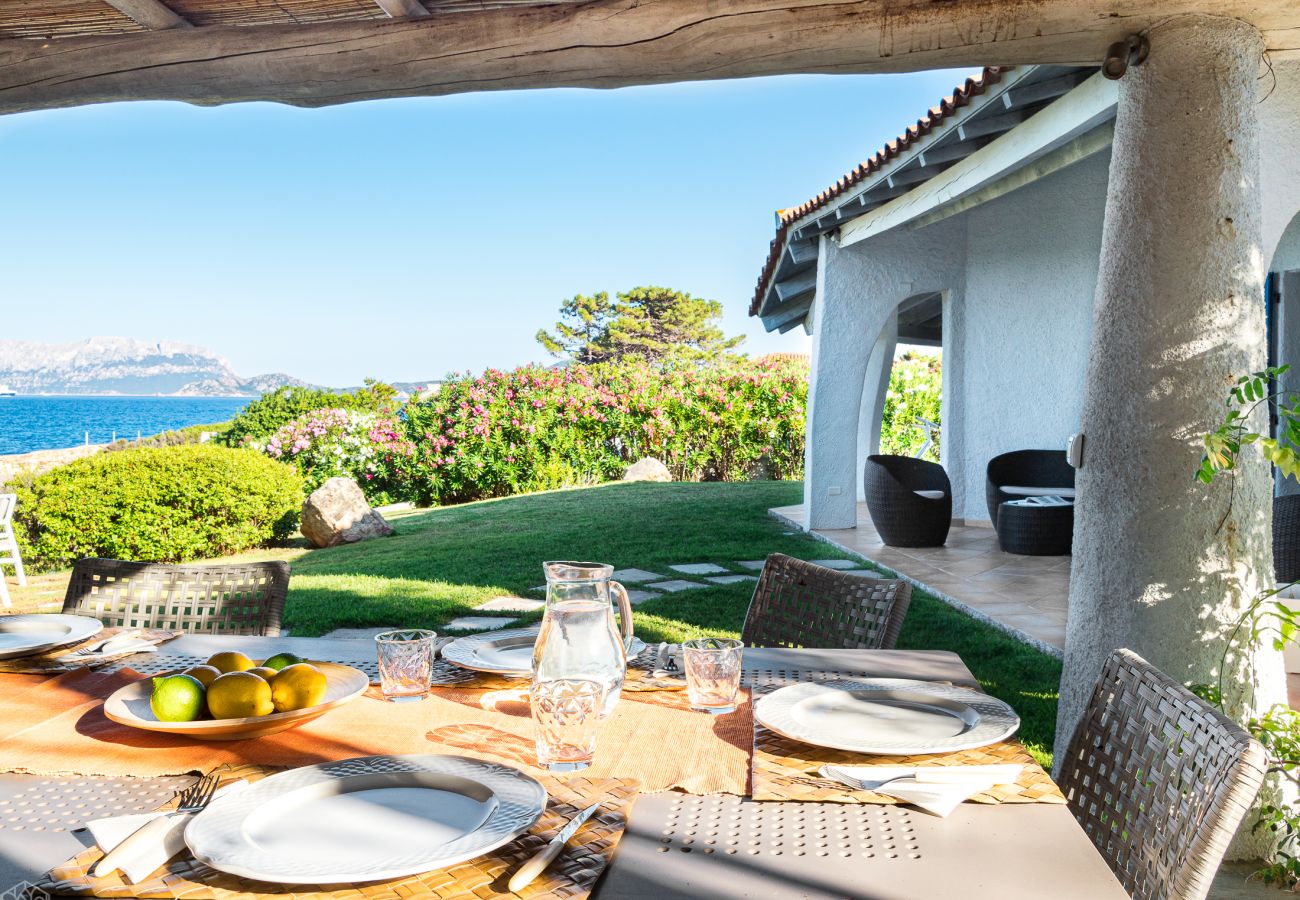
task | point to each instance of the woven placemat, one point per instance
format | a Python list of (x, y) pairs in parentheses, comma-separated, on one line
[(786, 769), (62, 659), (571, 876)]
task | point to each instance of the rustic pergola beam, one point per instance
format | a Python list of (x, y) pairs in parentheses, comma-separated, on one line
[(152, 14), (403, 9), (600, 44)]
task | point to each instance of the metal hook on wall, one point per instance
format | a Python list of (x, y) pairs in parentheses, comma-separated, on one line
[(1132, 51)]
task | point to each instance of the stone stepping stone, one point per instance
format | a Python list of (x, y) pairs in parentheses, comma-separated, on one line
[(837, 563), (731, 579), (356, 634), (865, 573), (679, 584), (755, 564), (478, 623), (699, 569), (638, 597), (510, 604), (635, 576)]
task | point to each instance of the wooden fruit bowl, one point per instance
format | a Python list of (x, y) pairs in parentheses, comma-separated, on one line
[(129, 706)]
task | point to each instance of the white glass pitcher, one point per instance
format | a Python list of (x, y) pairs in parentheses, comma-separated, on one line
[(579, 638)]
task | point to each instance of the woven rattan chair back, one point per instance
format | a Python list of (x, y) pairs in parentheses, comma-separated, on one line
[(800, 604), (9, 553), (246, 598), (1159, 780)]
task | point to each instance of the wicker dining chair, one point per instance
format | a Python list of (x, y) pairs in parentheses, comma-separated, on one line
[(243, 598), (1159, 779), (801, 604), (909, 500)]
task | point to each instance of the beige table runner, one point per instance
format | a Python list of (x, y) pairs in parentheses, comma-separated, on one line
[(56, 725)]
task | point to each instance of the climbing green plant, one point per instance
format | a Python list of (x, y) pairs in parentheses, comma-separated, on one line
[(1269, 617)]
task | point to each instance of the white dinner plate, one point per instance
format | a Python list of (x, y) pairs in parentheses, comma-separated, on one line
[(508, 653), (24, 635), (887, 715), (366, 819)]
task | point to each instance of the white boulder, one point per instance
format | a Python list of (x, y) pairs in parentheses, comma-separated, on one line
[(647, 469), (337, 513)]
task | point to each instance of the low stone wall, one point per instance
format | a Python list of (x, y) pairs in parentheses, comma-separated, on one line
[(43, 460)]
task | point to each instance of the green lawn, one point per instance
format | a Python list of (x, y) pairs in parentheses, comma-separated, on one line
[(444, 561)]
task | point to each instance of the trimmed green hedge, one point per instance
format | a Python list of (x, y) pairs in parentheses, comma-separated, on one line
[(164, 504)]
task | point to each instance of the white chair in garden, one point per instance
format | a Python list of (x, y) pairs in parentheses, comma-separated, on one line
[(9, 555)]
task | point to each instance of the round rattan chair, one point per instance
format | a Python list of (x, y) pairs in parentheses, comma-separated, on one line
[(910, 500), (1286, 537), (244, 598), (1026, 473), (802, 604)]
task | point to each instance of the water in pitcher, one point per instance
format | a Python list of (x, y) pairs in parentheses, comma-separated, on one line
[(578, 641)]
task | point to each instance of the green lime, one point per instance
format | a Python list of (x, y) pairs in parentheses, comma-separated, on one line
[(177, 698), (283, 660)]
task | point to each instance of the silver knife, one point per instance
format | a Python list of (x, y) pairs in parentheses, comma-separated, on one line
[(544, 857)]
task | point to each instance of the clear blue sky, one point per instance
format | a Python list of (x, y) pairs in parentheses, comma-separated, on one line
[(406, 238)]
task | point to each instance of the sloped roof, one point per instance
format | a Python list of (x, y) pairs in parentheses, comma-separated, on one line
[(787, 218)]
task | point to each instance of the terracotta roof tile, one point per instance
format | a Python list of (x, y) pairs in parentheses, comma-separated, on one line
[(786, 218)]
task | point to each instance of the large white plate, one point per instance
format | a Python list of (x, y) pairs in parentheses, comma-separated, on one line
[(507, 653), (365, 819), (23, 635), (887, 715)]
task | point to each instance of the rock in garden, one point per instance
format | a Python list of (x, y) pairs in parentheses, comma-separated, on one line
[(647, 469), (337, 513)]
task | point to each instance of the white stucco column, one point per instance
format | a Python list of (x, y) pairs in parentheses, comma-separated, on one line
[(853, 303), (1178, 312), (874, 388), (952, 406)]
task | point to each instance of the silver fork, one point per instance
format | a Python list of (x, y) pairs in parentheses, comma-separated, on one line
[(190, 801), (98, 646)]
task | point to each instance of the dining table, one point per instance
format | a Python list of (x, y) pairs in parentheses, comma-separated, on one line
[(675, 845)]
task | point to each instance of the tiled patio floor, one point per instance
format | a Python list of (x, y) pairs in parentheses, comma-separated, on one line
[(1024, 594)]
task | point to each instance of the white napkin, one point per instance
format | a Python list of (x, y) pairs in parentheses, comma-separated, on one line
[(935, 789), (119, 646), (147, 858)]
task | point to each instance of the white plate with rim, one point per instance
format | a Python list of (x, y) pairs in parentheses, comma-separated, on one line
[(891, 716), (29, 633), (508, 653), (365, 819)]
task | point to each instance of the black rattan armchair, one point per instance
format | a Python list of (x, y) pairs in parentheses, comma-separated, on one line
[(1286, 537), (904, 517), (801, 604), (247, 598), (1032, 471)]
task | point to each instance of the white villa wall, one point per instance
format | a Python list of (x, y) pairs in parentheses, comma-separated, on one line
[(1032, 259)]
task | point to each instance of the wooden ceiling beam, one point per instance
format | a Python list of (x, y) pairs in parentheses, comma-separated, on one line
[(152, 14), (403, 9), (596, 44)]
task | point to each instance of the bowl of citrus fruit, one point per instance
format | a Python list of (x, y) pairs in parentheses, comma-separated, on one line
[(232, 697)]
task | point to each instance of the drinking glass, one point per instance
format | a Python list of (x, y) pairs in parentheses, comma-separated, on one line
[(712, 673), (405, 663), (566, 712)]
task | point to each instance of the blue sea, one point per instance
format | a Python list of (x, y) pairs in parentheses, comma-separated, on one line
[(50, 423)]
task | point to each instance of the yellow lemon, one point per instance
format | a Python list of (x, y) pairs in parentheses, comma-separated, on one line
[(230, 661), (266, 673), (298, 687), (238, 695), (205, 674)]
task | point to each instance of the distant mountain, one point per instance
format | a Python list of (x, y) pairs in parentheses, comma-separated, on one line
[(113, 365)]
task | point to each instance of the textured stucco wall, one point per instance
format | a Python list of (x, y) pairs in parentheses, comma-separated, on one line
[(1279, 155), (858, 290), (1031, 272)]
